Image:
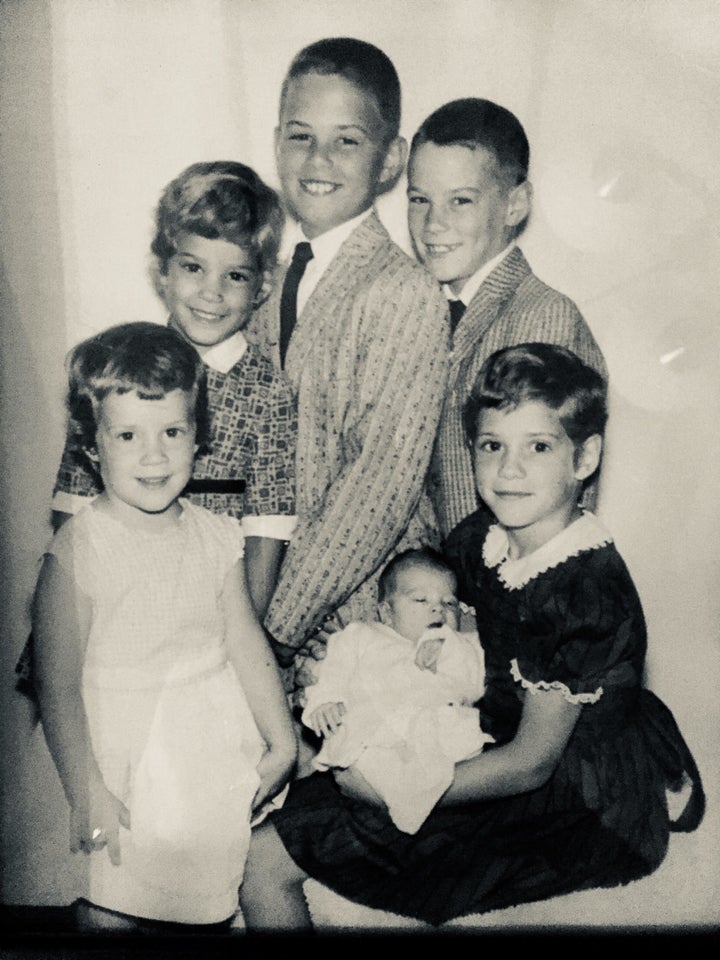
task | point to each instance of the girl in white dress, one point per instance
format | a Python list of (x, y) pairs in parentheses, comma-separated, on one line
[(160, 699)]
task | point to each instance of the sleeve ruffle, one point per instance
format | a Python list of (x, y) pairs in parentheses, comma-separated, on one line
[(554, 685), (587, 634)]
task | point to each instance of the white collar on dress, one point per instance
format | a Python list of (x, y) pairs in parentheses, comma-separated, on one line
[(585, 533), (224, 355)]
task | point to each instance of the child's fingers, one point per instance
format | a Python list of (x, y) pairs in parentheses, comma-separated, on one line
[(333, 717), (124, 816), (113, 846)]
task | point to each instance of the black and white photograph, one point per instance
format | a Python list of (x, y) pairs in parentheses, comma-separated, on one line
[(360, 474)]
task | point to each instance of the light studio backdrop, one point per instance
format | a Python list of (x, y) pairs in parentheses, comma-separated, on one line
[(103, 101)]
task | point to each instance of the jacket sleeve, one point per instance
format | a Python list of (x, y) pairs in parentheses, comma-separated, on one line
[(387, 440)]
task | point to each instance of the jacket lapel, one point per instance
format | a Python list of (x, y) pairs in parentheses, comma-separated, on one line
[(489, 302), (325, 302)]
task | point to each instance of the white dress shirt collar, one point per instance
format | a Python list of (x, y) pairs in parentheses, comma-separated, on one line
[(472, 285), (324, 249)]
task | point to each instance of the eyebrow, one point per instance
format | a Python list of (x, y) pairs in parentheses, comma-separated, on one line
[(538, 433), (232, 266), (339, 126)]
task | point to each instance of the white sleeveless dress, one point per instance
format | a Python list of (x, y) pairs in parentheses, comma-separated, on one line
[(171, 728)]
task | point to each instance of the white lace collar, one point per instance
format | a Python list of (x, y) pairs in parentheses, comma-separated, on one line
[(585, 533)]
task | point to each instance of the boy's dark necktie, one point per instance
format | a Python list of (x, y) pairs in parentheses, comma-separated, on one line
[(288, 300), (457, 309)]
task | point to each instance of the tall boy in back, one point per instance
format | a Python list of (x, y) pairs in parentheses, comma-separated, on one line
[(469, 198), (362, 339)]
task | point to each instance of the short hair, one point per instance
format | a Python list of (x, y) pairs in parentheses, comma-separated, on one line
[(219, 200), (363, 64), (425, 557), (472, 123), (540, 371), (146, 357)]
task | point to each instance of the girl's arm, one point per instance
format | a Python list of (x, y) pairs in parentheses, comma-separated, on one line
[(61, 625), (527, 761), (254, 662), (262, 562)]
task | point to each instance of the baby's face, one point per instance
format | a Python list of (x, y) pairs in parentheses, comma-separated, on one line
[(423, 599)]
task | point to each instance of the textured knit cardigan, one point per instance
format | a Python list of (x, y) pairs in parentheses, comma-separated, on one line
[(368, 362)]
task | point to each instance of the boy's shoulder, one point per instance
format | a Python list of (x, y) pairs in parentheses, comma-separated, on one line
[(531, 290), (386, 261)]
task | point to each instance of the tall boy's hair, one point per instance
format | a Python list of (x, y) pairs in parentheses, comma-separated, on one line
[(472, 122), (424, 557), (146, 357), (545, 372), (219, 200), (363, 64)]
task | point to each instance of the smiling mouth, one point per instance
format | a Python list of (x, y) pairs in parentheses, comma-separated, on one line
[(206, 317), (153, 481), (440, 249), (511, 494), (319, 188)]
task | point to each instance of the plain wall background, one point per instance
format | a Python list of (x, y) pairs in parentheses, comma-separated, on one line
[(103, 101)]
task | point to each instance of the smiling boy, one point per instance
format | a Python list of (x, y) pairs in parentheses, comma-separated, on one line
[(469, 198), (364, 343)]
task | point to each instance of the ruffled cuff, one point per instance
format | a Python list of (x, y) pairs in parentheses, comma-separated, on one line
[(554, 685)]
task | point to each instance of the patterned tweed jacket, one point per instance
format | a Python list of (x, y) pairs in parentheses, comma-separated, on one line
[(512, 306), (368, 362)]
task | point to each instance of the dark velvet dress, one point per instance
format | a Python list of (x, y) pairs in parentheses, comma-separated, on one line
[(567, 618)]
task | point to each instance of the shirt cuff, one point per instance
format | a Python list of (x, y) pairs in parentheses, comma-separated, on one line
[(70, 502), (275, 527)]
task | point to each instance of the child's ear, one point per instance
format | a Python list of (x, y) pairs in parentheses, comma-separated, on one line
[(264, 289), (385, 613), (92, 455), (393, 164), (587, 458), (519, 204)]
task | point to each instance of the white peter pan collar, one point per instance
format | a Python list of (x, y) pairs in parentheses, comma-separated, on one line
[(585, 533)]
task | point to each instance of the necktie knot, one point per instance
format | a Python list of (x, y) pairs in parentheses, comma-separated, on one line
[(303, 253), (457, 309)]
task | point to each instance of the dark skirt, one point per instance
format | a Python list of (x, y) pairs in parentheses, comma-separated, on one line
[(501, 852)]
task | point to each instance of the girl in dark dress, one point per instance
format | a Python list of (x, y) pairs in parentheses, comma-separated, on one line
[(573, 794)]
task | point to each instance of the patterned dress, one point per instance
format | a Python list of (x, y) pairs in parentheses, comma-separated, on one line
[(171, 729), (567, 617)]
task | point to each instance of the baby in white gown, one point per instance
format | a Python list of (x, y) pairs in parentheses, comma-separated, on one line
[(395, 699)]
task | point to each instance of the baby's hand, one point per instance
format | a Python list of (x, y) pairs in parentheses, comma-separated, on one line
[(326, 719), (307, 660), (428, 652), (97, 824)]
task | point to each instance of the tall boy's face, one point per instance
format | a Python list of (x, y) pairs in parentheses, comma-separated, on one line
[(329, 150), (209, 289), (459, 213)]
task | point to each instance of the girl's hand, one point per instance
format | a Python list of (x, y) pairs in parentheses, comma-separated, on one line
[(326, 718), (97, 824), (274, 771)]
